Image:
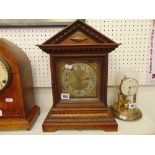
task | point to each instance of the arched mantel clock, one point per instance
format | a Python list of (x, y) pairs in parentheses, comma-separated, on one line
[(17, 103), (79, 69)]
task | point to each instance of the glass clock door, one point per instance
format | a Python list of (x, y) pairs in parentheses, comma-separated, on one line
[(79, 80)]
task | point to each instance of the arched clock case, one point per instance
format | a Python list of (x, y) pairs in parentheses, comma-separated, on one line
[(17, 103)]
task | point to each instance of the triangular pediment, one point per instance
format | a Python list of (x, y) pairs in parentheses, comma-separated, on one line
[(78, 37), (78, 33)]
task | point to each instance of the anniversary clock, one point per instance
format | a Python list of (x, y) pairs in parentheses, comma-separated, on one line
[(17, 103), (126, 107), (79, 70)]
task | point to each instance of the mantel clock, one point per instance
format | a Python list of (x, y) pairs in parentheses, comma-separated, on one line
[(17, 103), (79, 70)]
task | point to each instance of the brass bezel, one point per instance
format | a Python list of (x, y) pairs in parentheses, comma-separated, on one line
[(9, 70), (124, 79), (84, 98)]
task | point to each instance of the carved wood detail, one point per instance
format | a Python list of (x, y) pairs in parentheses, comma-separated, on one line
[(79, 120), (78, 39), (79, 26)]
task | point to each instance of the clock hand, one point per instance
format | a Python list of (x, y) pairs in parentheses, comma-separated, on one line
[(77, 78), (133, 86), (4, 81), (129, 90)]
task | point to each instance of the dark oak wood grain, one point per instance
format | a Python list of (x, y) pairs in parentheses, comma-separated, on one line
[(22, 112), (79, 43)]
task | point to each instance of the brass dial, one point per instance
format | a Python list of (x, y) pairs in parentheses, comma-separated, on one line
[(79, 80), (5, 74)]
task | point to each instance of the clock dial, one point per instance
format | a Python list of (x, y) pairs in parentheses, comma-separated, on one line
[(129, 86), (79, 80), (4, 74)]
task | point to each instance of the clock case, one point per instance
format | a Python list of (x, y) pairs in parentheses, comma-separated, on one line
[(79, 42), (21, 113)]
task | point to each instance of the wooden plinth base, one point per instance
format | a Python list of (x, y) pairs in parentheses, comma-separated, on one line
[(71, 119), (20, 123)]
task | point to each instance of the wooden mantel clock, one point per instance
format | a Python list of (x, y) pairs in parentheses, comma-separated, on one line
[(17, 103), (79, 69)]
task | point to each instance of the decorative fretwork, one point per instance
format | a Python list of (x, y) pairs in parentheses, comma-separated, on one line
[(78, 120)]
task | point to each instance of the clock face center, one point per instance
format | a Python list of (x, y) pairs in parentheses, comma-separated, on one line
[(79, 79), (129, 86)]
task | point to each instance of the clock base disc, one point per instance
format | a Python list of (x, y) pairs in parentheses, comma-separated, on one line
[(77, 119), (20, 123), (128, 114)]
